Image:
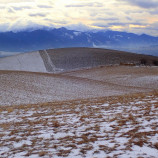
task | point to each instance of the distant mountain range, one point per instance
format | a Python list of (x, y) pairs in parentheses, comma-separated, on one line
[(26, 41)]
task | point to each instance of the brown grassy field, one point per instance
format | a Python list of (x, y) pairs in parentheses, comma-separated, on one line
[(105, 112), (26, 87), (118, 126)]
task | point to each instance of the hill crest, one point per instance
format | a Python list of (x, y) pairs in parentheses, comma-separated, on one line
[(68, 59)]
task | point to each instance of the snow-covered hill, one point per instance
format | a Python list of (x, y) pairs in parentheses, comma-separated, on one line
[(68, 59), (23, 62)]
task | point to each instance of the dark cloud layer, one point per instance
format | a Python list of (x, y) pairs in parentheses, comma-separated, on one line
[(38, 14), (143, 3), (21, 7), (44, 6)]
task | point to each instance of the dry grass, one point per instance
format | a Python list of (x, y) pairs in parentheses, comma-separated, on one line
[(29, 88), (82, 126), (156, 145)]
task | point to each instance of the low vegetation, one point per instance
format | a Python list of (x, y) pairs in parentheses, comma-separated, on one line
[(118, 126), (155, 62)]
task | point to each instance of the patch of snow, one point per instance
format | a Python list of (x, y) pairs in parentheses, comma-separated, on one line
[(105, 105), (77, 33), (23, 62), (119, 36), (145, 150), (45, 135), (62, 135), (21, 143), (70, 36)]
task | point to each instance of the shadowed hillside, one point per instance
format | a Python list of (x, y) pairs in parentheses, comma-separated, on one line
[(76, 58)]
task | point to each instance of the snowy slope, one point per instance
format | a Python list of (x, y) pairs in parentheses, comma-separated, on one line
[(26, 87), (68, 59), (23, 62)]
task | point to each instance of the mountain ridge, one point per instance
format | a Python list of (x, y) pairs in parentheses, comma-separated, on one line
[(25, 41)]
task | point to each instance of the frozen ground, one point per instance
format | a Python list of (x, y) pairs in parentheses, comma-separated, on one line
[(27, 88), (82, 113), (68, 59), (120, 127), (132, 76)]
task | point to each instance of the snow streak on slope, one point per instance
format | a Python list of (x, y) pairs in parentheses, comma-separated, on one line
[(68, 59), (23, 62), (50, 67)]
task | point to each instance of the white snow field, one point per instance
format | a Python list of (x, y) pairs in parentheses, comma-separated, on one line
[(108, 127), (23, 62)]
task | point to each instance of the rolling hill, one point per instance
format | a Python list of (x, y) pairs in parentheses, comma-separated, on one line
[(68, 59), (74, 73), (78, 102)]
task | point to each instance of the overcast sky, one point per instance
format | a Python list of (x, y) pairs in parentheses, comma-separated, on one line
[(137, 16)]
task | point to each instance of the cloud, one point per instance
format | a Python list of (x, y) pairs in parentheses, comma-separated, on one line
[(13, 1), (10, 10), (78, 27), (153, 27), (21, 7), (23, 24), (58, 22), (2, 6), (80, 5), (44, 6), (101, 25), (107, 19), (80, 14), (38, 14), (4, 27), (154, 12), (143, 3), (96, 4), (117, 24), (109, 25)]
